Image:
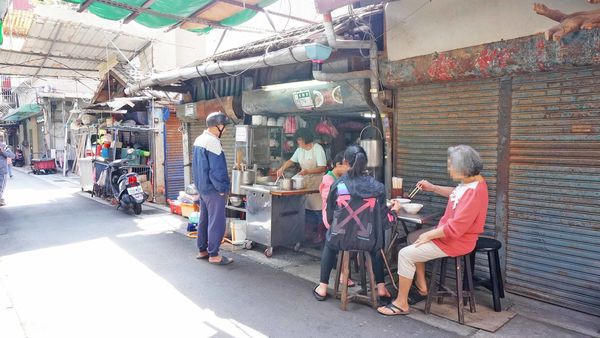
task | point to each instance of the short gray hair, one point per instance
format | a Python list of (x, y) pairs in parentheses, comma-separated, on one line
[(465, 160)]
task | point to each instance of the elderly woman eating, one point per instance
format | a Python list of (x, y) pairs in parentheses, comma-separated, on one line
[(457, 231)]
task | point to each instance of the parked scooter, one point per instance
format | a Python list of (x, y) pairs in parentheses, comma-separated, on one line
[(125, 187), (19, 160)]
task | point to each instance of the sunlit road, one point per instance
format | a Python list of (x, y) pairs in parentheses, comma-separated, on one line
[(72, 267)]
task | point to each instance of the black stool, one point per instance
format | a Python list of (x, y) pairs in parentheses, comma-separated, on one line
[(491, 247), (367, 295), (441, 290)]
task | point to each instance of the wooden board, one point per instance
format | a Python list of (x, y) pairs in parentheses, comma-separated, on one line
[(293, 192), (485, 318)]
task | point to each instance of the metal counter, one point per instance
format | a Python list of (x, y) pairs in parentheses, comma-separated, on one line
[(274, 220)]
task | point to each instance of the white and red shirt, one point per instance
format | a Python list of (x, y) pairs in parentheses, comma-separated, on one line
[(464, 218)]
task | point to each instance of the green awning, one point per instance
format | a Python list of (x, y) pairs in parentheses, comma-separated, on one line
[(23, 112), (175, 10)]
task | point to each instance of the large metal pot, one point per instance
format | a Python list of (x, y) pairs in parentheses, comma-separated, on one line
[(286, 184), (373, 148), (298, 182), (236, 181), (248, 177)]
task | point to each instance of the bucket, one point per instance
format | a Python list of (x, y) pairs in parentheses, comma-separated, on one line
[(236, 181), (237, 230), (194, 217)]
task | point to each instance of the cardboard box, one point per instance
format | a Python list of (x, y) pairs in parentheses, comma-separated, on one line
[(147, 187)]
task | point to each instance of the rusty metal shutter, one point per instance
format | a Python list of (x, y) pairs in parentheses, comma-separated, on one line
[(554, 191), (227, 141), (430, 118), (173, 157)]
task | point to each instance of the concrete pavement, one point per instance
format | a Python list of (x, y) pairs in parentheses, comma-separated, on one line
[(70, 266)]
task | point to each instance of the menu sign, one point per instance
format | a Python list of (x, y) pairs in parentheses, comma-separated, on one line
[(189, 110), (303, 100)]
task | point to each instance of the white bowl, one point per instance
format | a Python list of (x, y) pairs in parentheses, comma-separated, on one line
[(402, 200), (412, 208)]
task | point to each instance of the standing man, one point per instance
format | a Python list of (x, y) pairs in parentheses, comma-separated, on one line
[(212, 180), (5, 154)]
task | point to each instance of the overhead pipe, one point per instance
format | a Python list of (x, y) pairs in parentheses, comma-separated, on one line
[(336, 42), (372, 74), (291, 55)]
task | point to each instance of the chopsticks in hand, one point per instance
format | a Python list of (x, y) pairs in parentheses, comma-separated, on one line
[(414, 192)]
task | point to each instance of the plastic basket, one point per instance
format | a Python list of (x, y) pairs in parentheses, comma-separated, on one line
[(175, 207), (187, 209)]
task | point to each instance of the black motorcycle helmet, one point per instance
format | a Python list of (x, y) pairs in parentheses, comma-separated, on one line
[(217, 118)]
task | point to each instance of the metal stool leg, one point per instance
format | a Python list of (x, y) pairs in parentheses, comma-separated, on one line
[(469, 278), (472, 261), (432, 289), (494, 276), (459, 290), (499, 270), (443, 271)]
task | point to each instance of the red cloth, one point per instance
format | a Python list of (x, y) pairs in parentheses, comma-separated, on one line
[(464, 219)]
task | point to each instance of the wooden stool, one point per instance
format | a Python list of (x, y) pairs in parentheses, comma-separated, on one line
[(366, 270), (441, 290)]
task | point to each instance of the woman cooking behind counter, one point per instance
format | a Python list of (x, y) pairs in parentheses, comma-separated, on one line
[(313, 163)]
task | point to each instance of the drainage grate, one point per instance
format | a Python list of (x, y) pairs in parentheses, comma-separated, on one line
[(58, 181)]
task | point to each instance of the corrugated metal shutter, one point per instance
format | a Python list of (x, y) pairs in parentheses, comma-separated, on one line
[(173, 157), (227, 141), (554, 191), (430, 118)]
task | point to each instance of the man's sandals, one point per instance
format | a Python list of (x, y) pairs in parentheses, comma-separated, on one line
[(224, 260)]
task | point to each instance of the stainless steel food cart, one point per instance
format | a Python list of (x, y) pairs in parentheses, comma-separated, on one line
[(274, 217)]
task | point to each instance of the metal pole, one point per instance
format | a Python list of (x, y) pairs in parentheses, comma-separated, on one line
[(152, 150), (66, 126), (220, 41), (270, 20)]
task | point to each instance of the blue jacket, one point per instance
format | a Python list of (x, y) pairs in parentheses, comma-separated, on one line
[(209, 165), (5, 154)]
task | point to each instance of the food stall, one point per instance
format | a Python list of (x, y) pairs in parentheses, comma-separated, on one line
[(338, 115), (274, 213)]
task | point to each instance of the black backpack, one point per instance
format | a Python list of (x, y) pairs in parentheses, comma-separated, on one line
[(357, 222)]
